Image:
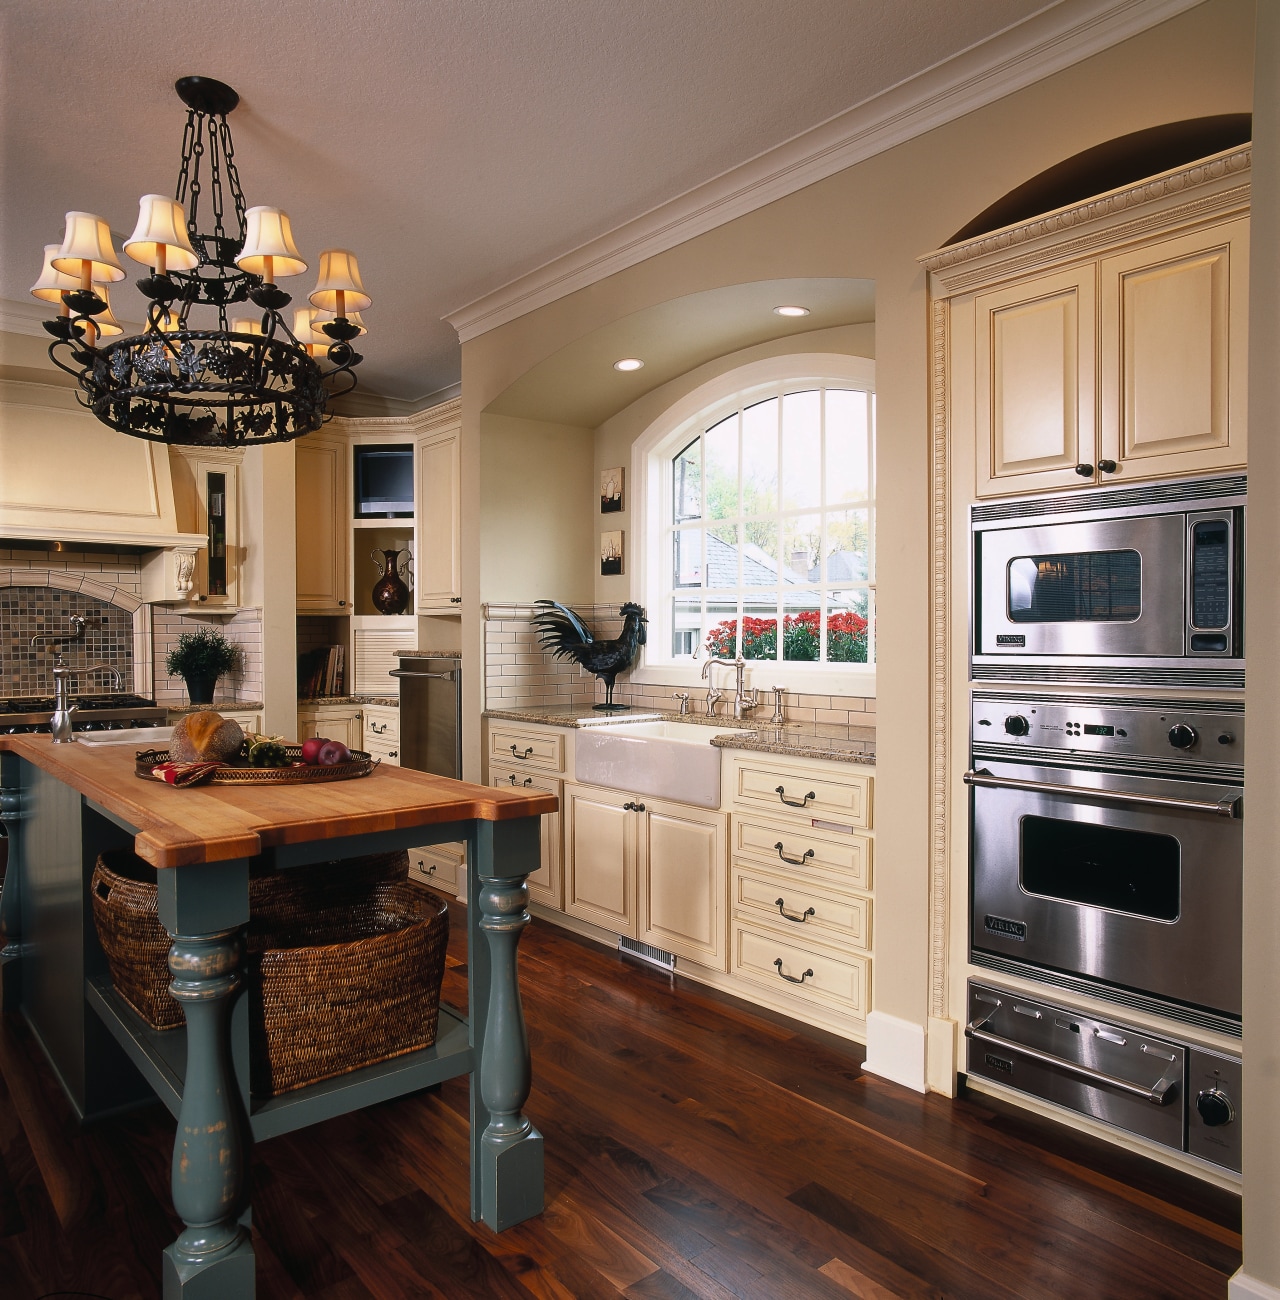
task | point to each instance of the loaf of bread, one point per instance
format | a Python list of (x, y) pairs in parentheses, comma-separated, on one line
[(205, 736)]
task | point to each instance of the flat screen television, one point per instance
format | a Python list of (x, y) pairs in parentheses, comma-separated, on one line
[(384, 482)]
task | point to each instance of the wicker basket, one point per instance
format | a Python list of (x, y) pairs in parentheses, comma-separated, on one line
[(344, 966)]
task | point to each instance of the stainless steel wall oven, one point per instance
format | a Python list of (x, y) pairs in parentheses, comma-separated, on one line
[(1140, 586), (1107, 840)]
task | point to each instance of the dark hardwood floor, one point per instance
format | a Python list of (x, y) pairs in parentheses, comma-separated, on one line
[(694, 1147)]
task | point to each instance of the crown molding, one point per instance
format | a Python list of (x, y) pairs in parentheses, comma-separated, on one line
[(442, 415), (1015, 58)]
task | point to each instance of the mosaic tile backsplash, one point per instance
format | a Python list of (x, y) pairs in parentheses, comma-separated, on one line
[(29, 611)]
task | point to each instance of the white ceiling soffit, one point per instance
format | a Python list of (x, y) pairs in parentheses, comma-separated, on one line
[(1037, 47)]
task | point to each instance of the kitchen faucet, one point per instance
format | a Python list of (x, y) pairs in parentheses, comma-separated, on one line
[(63, 705), (743, 700)]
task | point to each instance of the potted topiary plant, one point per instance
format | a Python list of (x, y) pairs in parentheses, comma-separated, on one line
[(200, 658)]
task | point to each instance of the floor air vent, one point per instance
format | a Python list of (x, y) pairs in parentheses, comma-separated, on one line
[(647, 952)]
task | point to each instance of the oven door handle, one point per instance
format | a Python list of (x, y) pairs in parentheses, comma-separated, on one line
[(1159, 1094), (1219, 807)]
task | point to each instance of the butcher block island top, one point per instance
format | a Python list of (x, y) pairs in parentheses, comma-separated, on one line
[(181, 825), (66, 804)]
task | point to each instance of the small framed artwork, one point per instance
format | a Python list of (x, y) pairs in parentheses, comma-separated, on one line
[(610, 554), (610, 490)]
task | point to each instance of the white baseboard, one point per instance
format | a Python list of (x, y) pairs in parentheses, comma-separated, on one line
[(896, 1050), (1244, 1287)]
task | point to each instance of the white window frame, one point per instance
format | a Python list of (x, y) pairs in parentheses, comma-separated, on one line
[(680, 423)]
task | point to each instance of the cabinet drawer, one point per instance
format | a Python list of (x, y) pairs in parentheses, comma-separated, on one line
[(389, 754), (381, 726), (805, 791), (541, 749), (838, 981), (786, 905), (442, 866), (843, 861), (546, 885)]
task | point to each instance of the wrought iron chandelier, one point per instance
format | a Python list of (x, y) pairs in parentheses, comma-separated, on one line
[(239, 382)]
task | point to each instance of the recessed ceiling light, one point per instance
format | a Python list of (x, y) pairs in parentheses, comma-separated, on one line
[(628, 363), (791, 311)]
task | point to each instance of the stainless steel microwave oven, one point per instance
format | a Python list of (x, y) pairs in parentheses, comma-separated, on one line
[(1130, 586)]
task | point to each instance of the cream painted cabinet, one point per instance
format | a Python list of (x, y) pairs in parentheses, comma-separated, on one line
[(600, 846), (650, 869), (342, 722), (1174, 362), (1035, 345), (323, 514), (438, 582), (206, 488), (546, 885), (381, 733), (1103, 343)]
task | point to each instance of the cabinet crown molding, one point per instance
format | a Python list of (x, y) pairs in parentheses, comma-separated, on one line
[(445, 415), (1206, 190)]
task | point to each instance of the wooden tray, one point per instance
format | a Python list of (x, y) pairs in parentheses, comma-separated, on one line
[(236, 774)]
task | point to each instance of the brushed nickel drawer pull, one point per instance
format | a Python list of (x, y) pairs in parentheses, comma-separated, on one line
[(527, 781), (791, 979), (781, 792), (519, 755), (793, 862), (786, 916)]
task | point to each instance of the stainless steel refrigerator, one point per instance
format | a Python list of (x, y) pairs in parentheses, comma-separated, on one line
[(430, 714)]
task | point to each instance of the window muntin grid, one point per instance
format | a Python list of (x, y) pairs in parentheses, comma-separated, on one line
[(769, 515)]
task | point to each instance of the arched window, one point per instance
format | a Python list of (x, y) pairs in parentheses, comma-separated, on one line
[(757, 520)]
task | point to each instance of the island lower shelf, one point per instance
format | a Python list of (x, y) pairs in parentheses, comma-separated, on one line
[(161, 1057)]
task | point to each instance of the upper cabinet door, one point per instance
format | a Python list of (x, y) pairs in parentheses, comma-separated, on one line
[(1035, 392), (1174, 357), (323, 514), (439, 521)]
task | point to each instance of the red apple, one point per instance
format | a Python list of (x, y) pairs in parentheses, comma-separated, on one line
[(333, 753), (311, 748)]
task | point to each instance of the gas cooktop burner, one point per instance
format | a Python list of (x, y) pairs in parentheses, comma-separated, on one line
[(44, 703)]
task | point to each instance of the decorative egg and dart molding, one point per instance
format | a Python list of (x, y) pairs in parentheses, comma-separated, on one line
[(238, 382)]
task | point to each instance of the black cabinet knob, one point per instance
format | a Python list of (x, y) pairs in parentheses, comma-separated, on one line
[(1215, 1108), (1016, 725), (1108, 466), (1085, 471), (1181, 736)]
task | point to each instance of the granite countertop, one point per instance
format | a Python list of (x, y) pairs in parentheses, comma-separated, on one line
[(231, 706), (843, 744), (386, 701)]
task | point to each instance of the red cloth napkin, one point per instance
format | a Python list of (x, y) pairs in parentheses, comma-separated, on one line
[(184, 773)]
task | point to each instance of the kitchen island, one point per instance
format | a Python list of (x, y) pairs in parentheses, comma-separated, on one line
[(65, 804)]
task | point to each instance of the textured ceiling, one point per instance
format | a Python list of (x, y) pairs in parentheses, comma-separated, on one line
[(454, 144)]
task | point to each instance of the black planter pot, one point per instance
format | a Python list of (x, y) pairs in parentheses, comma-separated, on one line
[(200, 689)]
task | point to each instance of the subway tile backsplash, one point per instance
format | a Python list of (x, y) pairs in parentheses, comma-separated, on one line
[(520, 674)]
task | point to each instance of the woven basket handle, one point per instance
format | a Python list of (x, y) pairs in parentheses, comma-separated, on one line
[(102, 888)]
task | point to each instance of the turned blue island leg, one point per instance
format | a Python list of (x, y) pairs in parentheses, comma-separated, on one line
[(506, 1150), (205, 909)]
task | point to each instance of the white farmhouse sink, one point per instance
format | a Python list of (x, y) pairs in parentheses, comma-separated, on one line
[(142, 737), (668, 760)]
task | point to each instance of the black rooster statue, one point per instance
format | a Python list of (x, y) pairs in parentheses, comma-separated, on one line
[(567, 636)]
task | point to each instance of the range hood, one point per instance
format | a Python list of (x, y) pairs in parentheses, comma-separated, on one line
[(65, 477)]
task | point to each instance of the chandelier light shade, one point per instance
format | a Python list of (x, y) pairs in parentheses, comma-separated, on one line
[(193, 376), (269, 250), (87, 251), (340, 290), (53, 283), (160, 238)]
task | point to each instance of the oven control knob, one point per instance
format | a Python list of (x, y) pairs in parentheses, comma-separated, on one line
[(1181, 736), (1016, 725), (1215, 1107)]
